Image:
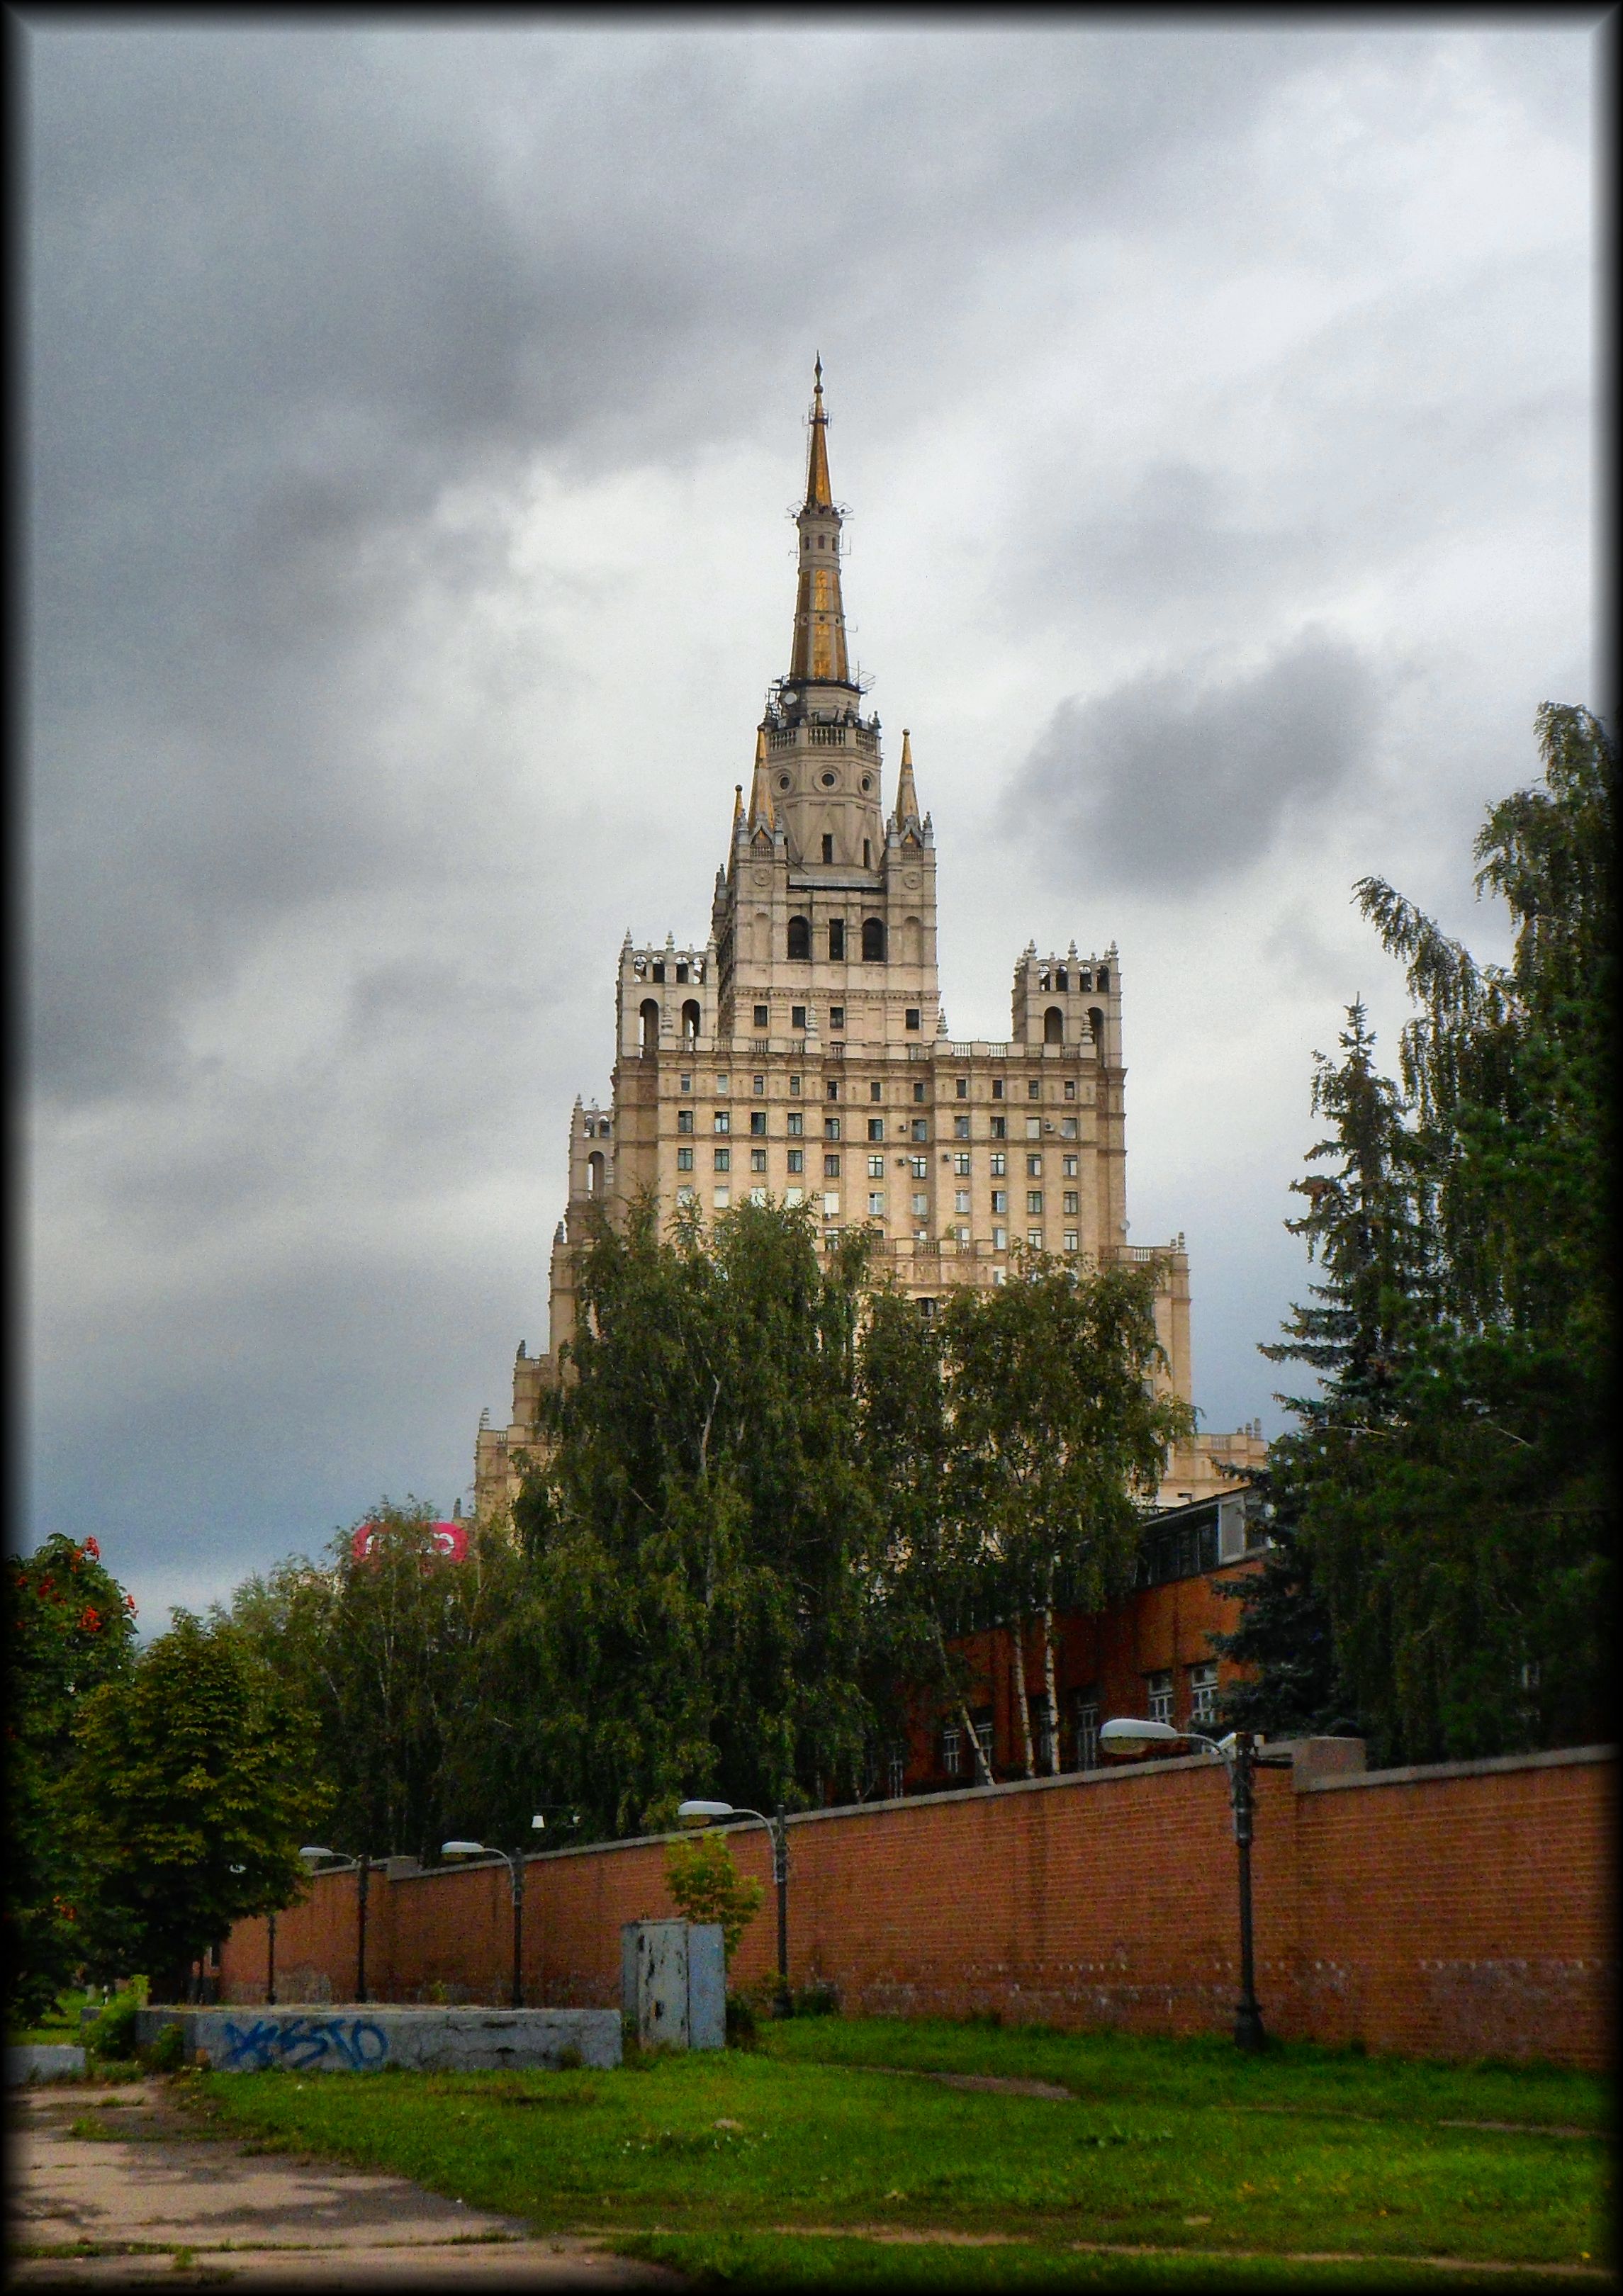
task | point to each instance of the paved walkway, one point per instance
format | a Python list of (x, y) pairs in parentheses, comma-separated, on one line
[(123, 2172)]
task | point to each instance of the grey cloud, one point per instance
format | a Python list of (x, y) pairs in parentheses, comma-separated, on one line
[(1172, 781)]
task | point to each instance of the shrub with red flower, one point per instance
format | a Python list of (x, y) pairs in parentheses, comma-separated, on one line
[(90, 1619)]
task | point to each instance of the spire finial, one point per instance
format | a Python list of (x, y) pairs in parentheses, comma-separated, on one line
[(906, 793), (737, 805), (760, 792)]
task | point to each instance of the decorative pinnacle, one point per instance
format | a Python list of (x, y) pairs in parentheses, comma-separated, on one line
[(906, 793)]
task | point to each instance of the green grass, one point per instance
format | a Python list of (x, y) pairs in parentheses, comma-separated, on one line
[(714, 2163)]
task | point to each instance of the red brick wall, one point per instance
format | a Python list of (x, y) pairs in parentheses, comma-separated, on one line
[(1456, 1912)]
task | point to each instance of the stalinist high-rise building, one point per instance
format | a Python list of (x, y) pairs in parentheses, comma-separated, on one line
[(799, 1051)]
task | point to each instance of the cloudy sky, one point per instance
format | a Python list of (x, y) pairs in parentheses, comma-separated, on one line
[(412, 416)]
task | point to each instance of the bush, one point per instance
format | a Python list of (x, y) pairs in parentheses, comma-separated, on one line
[(819, 2000), (167, 2053), (706, 1886), (742, 2031), (113, 2033)]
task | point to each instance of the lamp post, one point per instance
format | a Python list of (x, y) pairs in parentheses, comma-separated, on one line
[(312, 1853), (515, 1862), (1239, 1755), (701, 1812)]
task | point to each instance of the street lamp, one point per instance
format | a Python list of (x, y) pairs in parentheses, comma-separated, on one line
[(700, 1813), (515, 1862), (1239, 1755), (312, 1854)]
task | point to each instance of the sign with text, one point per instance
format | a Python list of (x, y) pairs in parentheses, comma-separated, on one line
[(449, 1539)]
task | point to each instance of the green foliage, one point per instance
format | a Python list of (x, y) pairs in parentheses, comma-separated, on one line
[(1285, 1639), (1452, 1478), (192, 1787), (705, 1885), (113, 2033), (71, 1628)]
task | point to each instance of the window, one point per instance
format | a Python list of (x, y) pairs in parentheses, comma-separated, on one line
[(757, 1123), (918, 1092), (685, 1119), (961, 1201), (1053, 1026), (796, 1159), (876, 1206), (1000, 1164), (876, 1167), (950, 1745), (921, 1128), (757, 1086), (873, 943), (828, 849), (686, 1196), (721, 1084), (1034, 1168), (997, 1087), (1034, 1127), (799, 940), (1069, 1203), (723, 1197), (919, 1167), (797, 1122), (794, 1195), (830, 1168), (876, 1092), (1000, 1242), (757, 1195), (1000, 1127), (983, 1737), (1071, 1094), (724, 1160), (1034, 1090), (963, 1087), (831, 1210), (1034, 1237), (684, 1160), (961, 1165), (876, 1127), (1070, 1240), (895, 1761), (763, 1016), (836, 1016), (836, 934), (1034, 1201), (722, 1121), (830, 1128), (961, 1127), (1042, 1730), (797, 1016), (1203, 1691), (832, 1087), (1068, 1165), (911, 1016), (659, 969), (794, 1087), (1158, 1696), (1000, 1200), (1067, 1128), (758, 1159), (682, 972), (920, 1204), (1085, 1728), (687, 1084)]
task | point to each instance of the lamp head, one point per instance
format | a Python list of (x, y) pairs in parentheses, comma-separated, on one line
[(537, 1824), (700, 1813), (312, 1851), (461, 1849), (1131, 1737)]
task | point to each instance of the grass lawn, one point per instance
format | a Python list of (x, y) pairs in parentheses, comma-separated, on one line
[(829, 2158)]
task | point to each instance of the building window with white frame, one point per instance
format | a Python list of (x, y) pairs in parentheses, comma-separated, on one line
[(1158, 1695), (895, 1773), (876, 1167), (1203, 1693), (1070, 1240), (951, 1749), (1087, 1731), (876, 1206)]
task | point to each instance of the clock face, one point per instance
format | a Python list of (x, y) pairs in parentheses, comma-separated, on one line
[(790, 698)]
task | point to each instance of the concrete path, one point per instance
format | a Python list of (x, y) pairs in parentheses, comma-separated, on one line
[(122, 2171)]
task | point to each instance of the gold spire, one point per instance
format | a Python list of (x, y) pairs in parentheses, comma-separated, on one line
[(819, 655), (760, 793), (738, 806), (906, 794), (819, 495)]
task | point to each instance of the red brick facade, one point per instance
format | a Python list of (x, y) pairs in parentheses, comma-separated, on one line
[(1458, 1911)]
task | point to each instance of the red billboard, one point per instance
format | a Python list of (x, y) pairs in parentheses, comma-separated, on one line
[(450, 1539)]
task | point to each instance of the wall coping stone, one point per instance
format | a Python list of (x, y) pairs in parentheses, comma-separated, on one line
[(1422, 1773)]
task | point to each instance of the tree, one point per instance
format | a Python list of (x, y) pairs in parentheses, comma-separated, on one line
[(1454, 1471), (72, 1627), (1057, 1439), (1285, 1639), (193, 1785), (698, 1536), (705, 1885)]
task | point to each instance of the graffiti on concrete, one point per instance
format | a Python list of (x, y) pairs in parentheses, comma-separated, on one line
[(300, 2042)]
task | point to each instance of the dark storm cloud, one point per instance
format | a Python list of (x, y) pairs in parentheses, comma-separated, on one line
[(1173, 780)]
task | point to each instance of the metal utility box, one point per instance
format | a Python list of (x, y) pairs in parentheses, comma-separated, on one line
[(674, 1982)]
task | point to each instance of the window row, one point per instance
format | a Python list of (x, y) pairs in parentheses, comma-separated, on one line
[(872, 938)]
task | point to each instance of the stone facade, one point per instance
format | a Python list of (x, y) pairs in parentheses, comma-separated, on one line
[(801, 1052)]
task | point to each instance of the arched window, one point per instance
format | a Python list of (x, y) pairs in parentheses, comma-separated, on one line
[(799, 940), (1096, 1021), (650, 1025), (691, 1018), (595, 1173), (872, 940), (1053, 1026), (836, 940)]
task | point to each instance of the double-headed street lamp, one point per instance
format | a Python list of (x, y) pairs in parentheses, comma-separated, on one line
[(514, 1862), (701, 1812), (313, 1855), (1239, 1755)]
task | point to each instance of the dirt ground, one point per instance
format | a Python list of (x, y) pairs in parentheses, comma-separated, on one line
[(112, 2186)]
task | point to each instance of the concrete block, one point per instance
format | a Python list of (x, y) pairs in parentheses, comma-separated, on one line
[(363, 2037), (707, 1987), (43, 2061), (1312, 1759), (661, 1985), (674, 1982)]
